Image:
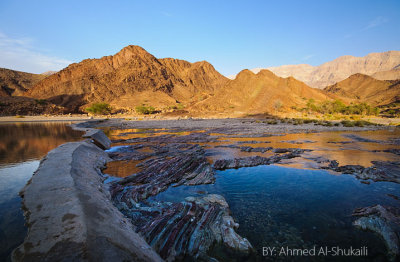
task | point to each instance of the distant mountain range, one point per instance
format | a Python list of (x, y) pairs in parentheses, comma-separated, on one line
[(134, 77), (382, 66)]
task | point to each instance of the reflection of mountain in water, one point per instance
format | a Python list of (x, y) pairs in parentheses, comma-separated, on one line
[(21, 146), (26, 141)]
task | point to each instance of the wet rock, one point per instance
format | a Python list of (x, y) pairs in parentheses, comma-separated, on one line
[(382, 171), (188, 228), (187, 166), (299, 141), (98, 138), (391, 150), (255, 149), (253, 142), (292, 150), (222, 164), (379, 171), (340, 142), (227, 146), (386, 222), (128, 153), (359, 138)]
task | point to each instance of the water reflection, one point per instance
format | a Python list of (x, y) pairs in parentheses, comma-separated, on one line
[(22, 145)]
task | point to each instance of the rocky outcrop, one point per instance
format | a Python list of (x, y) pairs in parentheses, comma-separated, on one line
[(379, 171), (69, 213), (385, 221), (222, 164), (255, 149), (187, 228), (98, 138), (178, 164)]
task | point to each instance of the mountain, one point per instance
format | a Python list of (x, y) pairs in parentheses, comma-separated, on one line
[(134, 77), (48, 73), (260, 93), (367, 89), (388, 75), (339, 69), (129, 78), (15, 82)]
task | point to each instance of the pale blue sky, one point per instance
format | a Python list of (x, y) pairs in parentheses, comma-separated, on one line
[(36, 36)]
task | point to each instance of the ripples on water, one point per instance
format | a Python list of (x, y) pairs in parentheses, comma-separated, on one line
[(22, 145)]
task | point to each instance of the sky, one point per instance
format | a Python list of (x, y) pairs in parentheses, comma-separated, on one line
[(38, 36)]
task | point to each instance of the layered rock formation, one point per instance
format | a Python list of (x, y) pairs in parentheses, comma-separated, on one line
[(385, 221), (367, 89), (339, 69), (379, 171), (258, 160), (187, 228)]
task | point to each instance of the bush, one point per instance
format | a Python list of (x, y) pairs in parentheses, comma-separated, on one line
[(337, 106), (41, 101), (145, 110), (99, 109), (347, 123)]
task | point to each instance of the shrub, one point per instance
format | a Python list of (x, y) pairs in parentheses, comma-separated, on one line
[(145, 110), (41, 101), (277, 105), (347, 123), (337, 106), (99, 109)]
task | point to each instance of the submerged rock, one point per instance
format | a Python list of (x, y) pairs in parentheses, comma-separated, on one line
[(222, 164), (385, 221), (188, 228)]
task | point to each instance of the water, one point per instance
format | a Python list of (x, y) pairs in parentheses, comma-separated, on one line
[(278, 206), (22, 145)]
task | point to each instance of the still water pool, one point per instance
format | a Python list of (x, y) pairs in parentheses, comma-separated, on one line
[(279, 206)]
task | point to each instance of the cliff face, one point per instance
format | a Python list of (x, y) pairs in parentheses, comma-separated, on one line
[(339, 69), (364, 88), (130, 77)]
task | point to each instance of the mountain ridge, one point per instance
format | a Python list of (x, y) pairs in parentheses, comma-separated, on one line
[(339, 69)]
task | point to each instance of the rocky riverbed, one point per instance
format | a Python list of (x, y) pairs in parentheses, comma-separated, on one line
[(178, 153)]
